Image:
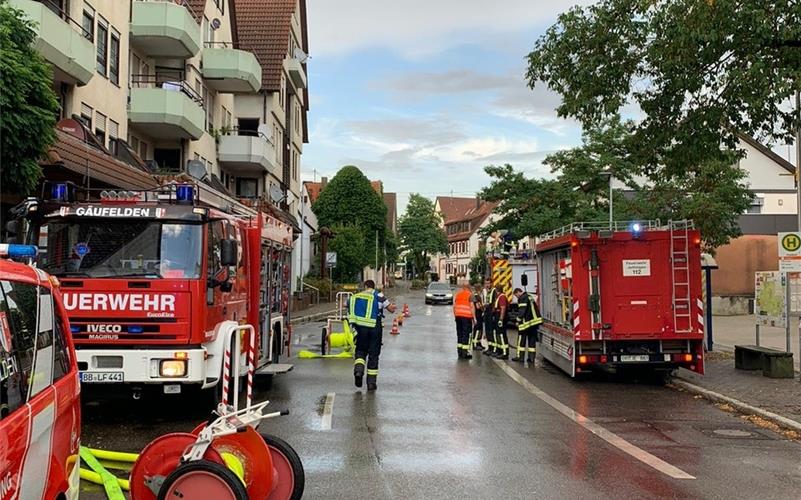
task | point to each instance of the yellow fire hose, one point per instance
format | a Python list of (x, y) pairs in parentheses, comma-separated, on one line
[(340, 340), (94, 477), (100, 475)]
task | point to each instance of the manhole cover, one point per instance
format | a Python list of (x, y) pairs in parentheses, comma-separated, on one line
[(732, 433)]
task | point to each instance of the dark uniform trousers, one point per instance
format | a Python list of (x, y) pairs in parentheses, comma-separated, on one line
[(527, 342), (489, 329), (476, 343), (464, 327), (501, 339), (368, 348)]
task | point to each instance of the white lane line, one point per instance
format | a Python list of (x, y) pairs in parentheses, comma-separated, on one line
[(608, 436), (328, 411)]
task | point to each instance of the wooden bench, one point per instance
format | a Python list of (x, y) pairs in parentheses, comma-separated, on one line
[(773, 363)]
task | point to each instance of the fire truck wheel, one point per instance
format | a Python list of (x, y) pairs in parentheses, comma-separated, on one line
[(203, 479), (286, 462)]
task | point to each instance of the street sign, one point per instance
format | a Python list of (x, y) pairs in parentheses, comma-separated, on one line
[(790, 252), (330, 259), (770, 305)]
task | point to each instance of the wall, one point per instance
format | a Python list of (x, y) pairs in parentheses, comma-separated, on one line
[(739, 260)]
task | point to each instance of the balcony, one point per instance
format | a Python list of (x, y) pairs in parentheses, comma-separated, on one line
[(296, 72), (166, 109), (246, 153), (162, 28), (61, 41), (230, 70)]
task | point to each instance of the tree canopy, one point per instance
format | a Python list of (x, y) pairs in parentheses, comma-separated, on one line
[(699, 70), (420, 233), (350, 200), (349, 243), (28, 104)]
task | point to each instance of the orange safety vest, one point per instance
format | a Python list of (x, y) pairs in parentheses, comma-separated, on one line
[(463, 304)]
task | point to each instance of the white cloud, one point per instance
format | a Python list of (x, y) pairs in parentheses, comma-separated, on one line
[(415, 28)]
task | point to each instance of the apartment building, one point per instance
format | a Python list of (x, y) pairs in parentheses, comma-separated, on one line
[(465, 240)]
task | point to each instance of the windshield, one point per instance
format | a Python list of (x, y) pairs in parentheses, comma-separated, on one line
[(110, 248), (439, 287)]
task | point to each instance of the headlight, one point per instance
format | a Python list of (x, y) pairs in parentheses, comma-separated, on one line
[(429, 295), (172, 368), (448, 295)]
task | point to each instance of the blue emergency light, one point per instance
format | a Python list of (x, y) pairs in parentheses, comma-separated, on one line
[(75, 329), (59, 192), (135, 329), (636, 230), (13, 251), (184, 193)]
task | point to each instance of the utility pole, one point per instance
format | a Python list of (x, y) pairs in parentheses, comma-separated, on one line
[(798, 154)]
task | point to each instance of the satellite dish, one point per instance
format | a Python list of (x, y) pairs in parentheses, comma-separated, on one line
[(300, 55), (196, 169), (215, 24), (276, 194)]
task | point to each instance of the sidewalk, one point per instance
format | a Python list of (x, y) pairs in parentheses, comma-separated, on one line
[(316, 312), (729, 331)]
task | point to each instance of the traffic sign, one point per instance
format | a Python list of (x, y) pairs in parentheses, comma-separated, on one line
[(330, 259), (790, 252)]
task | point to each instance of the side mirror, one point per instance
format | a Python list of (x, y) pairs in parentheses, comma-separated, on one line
[(228, 252), (524, 280)]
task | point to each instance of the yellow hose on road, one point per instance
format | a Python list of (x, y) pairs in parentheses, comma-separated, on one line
[(94, 477), (314, 355), (114, 456)]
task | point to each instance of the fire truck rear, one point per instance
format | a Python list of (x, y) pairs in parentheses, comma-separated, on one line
[(158, 283), (628, 295)]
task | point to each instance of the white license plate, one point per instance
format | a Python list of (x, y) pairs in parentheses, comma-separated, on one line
[(102, 377), (172, 389), (634, 358)]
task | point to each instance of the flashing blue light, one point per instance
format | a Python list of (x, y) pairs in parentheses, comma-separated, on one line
[(18, 251), (59, 192), (75, 329), (636, 227), (135, 329), (184, 193)]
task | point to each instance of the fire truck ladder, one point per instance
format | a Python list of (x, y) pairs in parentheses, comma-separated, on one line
[(680, 270)]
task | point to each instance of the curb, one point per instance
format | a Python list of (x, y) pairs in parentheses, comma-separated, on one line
[(312, 317), (779, 420)]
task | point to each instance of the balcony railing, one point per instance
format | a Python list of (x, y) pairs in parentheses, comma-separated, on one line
[(166, 82), (182, 3), (57, 10)]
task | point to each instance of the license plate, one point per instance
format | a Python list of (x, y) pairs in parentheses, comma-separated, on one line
[(102, 377), (634, 358), (172, 389)]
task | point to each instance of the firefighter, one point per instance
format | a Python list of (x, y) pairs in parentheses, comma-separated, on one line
[(501, 306), (488, 296), (464, 312), (478, 324), (365, 312), (528, 325)]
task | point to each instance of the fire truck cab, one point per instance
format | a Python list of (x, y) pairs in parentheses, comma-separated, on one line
[(156, 283), (40, 413)]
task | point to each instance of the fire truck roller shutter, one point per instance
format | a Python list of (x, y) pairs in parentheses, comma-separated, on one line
[(502, 275)]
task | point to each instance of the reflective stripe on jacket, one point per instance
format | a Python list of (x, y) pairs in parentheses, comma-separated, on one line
[(529, 315), (463, 304), (363, 309)]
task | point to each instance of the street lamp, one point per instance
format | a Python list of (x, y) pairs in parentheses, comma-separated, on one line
[(608, 175)]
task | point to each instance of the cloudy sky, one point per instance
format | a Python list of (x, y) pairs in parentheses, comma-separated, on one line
[(422, 94)]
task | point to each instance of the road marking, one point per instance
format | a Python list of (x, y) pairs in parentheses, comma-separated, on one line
[(328, 411), (608, 436)]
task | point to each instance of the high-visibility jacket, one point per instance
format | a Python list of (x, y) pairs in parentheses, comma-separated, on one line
[(463, 304), (363, 308), (492, 295), (528, 312)]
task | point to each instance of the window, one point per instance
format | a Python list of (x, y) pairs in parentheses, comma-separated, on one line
[(143, 150), (216, 235), (88, 22), (114, 53), (209, 105), (86, 115), (168, 159), (100, 128), (247, 188), (113, 131), (282, 91), (208, 33), (102, 45)]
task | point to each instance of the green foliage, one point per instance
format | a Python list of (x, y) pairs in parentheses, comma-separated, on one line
[(418, 284), (324, 285), (712, 193), (28, 104), (478, 266), (420, 233), (352, 255), (350, 200), (699, 70)]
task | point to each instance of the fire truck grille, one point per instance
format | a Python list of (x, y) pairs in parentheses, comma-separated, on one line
[(124, 328)]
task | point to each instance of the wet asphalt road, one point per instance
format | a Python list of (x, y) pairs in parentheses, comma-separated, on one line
[(442, 428)]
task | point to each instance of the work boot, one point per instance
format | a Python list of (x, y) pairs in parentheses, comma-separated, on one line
[(517, 359), (487, 352), (358, 374), (371, 383), (467, 355)]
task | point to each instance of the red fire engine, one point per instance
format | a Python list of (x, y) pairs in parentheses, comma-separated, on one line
[(620, 296), (40, 412), (156, 283)]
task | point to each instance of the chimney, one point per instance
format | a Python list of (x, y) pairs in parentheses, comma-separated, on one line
[(478, 202), (323, 182)]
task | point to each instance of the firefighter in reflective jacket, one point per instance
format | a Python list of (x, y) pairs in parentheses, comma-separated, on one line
[(489, 295), (464, 311), (528, 325), (365, 311)]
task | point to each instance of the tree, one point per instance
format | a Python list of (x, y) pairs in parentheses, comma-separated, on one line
[(478, 266), (711, 193), (700, 71), (352, 255), (420, 233), (28, 104), (350, 200)]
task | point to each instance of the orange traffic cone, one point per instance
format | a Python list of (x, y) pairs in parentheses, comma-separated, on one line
[(406, 312), (394, 330)]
